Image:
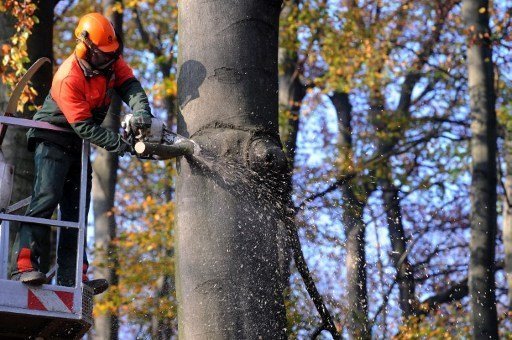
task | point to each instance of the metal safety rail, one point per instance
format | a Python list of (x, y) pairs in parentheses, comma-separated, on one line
[(46, 311)]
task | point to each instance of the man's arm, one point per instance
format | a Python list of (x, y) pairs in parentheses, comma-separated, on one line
[(71, 100), (134, 95), (94, 133), (131, 92)]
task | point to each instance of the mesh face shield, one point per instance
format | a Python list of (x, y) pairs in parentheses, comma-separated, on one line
[(97, 58)]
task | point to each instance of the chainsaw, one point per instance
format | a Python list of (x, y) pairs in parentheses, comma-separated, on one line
[(157, 142)]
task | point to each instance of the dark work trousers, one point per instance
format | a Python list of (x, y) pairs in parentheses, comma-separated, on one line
[(56, 182)]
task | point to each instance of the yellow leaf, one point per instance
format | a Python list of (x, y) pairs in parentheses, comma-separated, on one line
[(482, 10)]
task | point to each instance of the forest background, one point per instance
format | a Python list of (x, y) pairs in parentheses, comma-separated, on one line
[(375, 117)]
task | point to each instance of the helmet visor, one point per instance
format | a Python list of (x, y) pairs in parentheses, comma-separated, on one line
[(98, 58), (102, 60)]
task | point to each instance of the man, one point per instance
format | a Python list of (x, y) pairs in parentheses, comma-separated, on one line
[(79, 99)]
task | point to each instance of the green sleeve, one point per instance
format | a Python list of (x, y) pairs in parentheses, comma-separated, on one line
[(133, 94), (105, 138)]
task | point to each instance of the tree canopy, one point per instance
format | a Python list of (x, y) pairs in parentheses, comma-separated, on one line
[(375, 119)]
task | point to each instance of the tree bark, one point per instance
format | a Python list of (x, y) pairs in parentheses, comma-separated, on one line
[(355, 227), (105, 166), (227, 264), (482, 284), (507, 214)]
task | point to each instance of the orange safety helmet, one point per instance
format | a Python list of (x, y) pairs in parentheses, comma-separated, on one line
[(95, 28)]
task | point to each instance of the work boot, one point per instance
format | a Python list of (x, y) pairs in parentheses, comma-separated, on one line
[(31, 277), (98, 285)]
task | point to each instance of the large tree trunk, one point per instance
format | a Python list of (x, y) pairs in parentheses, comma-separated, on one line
[(39, 44), (354, 224), (227, 264), (483, 188), (105, 165)]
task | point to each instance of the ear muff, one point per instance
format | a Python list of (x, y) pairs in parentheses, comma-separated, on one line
[(81, 50)]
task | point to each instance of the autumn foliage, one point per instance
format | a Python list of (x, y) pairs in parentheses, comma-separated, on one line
[(394, 159)]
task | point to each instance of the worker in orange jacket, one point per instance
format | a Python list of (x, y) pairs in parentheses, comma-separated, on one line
[(79, 98)]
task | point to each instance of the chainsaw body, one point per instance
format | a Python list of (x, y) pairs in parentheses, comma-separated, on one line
[(157, 142)]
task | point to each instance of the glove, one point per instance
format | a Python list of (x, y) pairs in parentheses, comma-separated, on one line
[(124, 148), (140, 121)]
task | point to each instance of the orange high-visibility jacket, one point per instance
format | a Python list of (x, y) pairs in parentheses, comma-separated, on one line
[(80, 100)]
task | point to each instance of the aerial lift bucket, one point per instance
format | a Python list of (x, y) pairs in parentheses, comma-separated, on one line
[(46, 311)]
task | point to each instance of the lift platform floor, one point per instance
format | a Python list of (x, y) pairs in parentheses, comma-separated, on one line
[(45, 312)]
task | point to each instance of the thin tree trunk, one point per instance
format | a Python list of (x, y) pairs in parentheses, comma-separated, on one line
[(355, 227), (105, 166), (164, 328), (404, 271), (507, 214), (291, 94), (382, 119), (390, 195), (356, 271), (482, 284), (227, 263)]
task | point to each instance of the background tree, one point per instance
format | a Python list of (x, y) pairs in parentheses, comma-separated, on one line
[(291, 93), (105, 167), (158, 35), (484, 177), (374, 111)]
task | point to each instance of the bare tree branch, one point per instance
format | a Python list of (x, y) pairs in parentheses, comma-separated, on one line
[(157, 51), (455, 292), (385, 302), (300, 262)]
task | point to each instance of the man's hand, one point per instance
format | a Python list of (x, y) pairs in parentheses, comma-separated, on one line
[(124, 148), (140, 121)]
